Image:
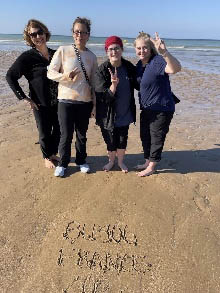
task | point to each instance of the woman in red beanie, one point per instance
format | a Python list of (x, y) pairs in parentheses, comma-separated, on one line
[(115, 104)]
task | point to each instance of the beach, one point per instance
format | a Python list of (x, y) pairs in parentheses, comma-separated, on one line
[(110, 231)]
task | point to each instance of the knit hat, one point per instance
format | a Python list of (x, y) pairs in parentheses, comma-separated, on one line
[(113, 40)]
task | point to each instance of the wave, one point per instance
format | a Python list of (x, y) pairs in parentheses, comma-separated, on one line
[(175, 47), (96, 45), (202, 49), (128, 44), (60, 43), (11, 41), (57, 43)]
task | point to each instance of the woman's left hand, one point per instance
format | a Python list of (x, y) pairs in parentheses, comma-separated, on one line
[(173, 65), (159, 44)]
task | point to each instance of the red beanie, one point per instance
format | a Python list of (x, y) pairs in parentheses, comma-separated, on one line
[(113, 40)]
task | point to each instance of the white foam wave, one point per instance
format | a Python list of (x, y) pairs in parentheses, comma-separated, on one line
[(96, 45), (57, 43), (202, 49), (11, 41), (175, 47)]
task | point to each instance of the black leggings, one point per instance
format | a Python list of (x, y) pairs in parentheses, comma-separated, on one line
[(154, 126), (116, 138), (73, 117), (48, 128)]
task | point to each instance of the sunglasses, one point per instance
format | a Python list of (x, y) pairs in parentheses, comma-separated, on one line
[(81, 33), (40, 32)]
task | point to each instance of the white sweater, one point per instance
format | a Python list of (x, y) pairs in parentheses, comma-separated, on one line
[(63, 62)]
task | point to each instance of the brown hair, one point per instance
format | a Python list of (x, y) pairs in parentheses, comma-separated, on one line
[(34, 23), (84, 21), (147, 39)]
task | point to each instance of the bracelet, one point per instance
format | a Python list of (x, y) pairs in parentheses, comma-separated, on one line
[(164, 54)]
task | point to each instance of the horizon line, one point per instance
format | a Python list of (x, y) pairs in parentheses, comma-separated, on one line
[(53, 35)]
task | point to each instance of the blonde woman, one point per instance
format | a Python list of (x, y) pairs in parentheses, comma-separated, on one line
[(156, 101)]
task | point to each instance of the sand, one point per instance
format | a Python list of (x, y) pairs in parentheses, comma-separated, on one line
[(113, 232)]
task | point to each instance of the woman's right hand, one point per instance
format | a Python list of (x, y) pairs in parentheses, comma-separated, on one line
[(114, 80), (74, 72), (31, 104)]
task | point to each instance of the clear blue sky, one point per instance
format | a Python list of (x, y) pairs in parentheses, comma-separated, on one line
[(171, 18)]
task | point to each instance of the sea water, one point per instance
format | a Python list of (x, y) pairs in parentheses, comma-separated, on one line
[(195, 54)]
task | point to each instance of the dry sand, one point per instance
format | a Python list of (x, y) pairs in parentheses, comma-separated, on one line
[(113, 232)]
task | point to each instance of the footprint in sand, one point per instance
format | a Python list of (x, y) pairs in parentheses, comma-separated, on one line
[(202, 203)]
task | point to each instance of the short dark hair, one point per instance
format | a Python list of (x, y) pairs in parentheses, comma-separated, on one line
[(84, 21), (34, 23)]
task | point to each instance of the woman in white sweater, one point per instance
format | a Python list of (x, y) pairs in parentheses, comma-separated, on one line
[(74, 68)]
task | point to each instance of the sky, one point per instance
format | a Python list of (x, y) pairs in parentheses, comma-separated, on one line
[(179, 19)]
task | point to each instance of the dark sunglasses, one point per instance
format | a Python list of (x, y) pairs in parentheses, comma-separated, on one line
[(81, 33), (40, 32)]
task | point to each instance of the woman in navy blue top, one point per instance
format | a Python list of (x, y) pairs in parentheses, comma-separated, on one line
[(155, 97)]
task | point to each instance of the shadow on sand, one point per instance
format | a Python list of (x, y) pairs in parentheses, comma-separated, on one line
[(181, 162)]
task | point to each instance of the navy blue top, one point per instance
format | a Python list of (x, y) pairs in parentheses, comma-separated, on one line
[(123, 99), (155, 90)]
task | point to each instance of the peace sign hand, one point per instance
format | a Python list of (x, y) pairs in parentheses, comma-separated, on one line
[(114, 77), (159, 44)]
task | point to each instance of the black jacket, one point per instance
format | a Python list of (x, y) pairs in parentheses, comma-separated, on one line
[(33, 66), (105, 99)]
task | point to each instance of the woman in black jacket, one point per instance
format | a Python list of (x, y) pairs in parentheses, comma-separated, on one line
[(115, 103), (32, 64)]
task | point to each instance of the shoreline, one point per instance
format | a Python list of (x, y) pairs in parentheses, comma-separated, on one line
[(188, 62), (111, 231)]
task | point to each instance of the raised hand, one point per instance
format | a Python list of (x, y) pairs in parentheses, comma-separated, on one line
[(173, 65), (159, 44), (114, 77)]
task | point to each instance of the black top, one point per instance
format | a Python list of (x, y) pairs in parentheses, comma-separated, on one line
[(33, 66), (106, 100)]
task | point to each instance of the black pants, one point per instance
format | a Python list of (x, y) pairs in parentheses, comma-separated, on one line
[(154, 127), (48, 128), (116, 138), (73, 117)]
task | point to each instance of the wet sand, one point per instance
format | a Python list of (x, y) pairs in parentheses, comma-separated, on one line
[(113, 232)]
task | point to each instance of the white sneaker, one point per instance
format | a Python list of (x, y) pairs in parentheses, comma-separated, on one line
[(59, 171), (84, 168)]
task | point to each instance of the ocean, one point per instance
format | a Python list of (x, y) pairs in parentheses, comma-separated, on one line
[(195, 54)]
